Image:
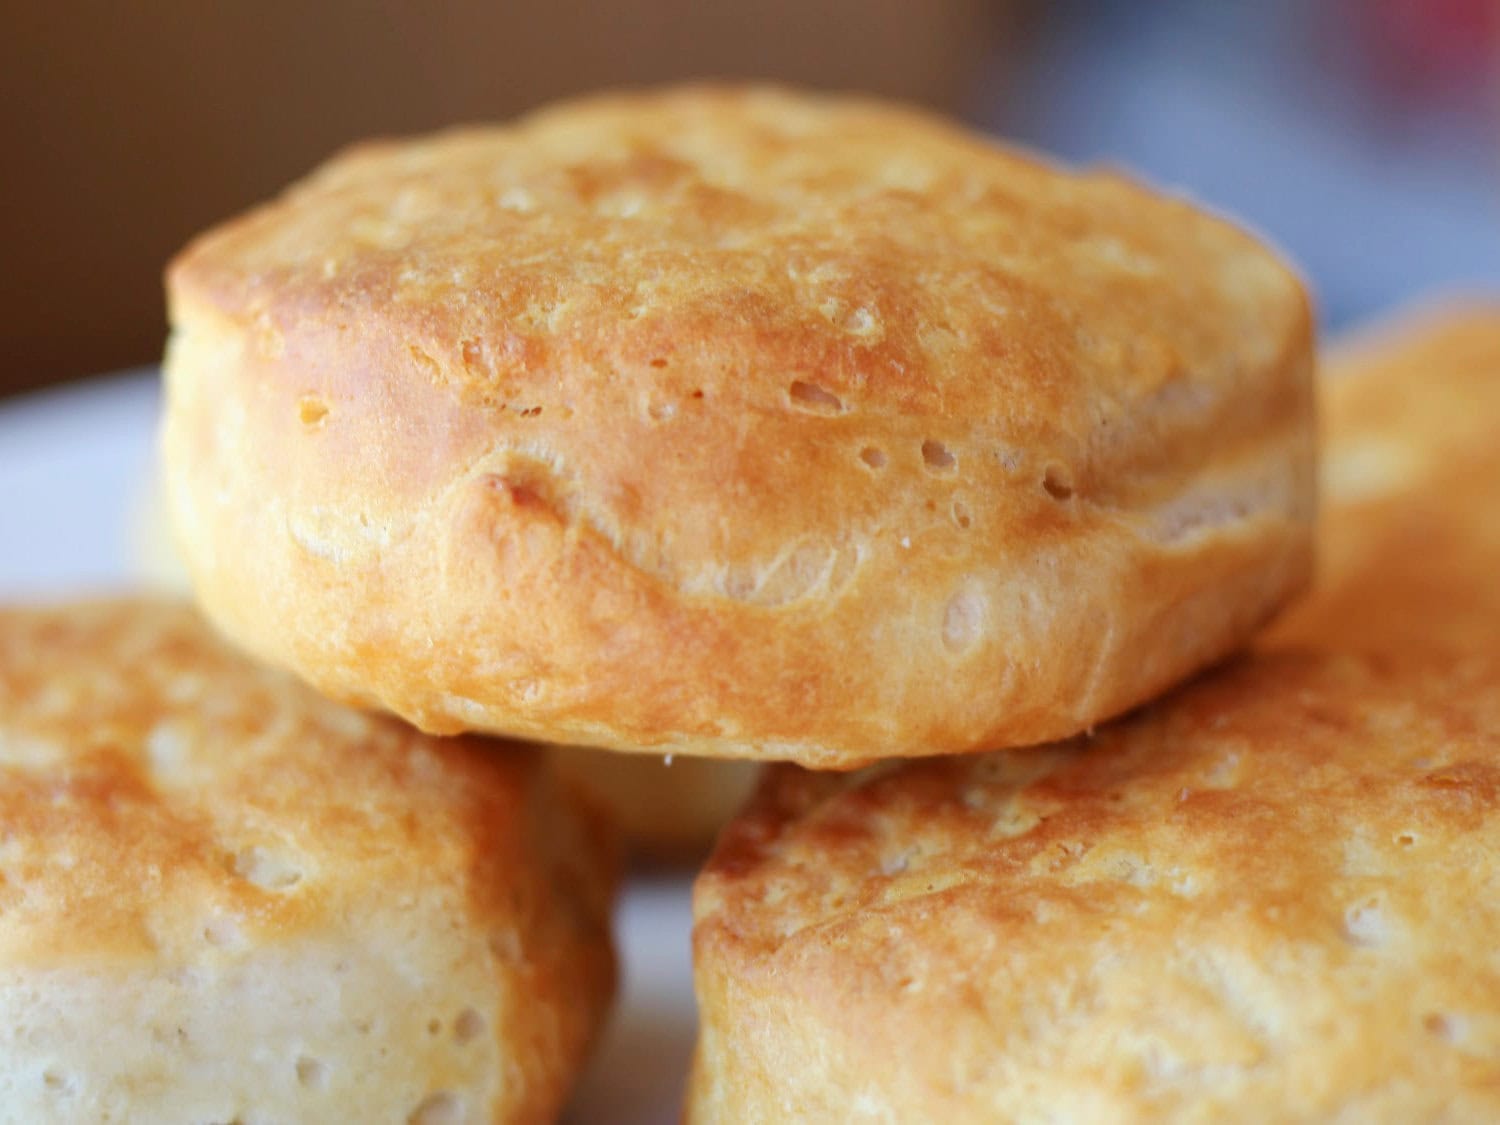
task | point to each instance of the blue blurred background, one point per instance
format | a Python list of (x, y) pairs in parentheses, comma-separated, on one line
[(1363, 136)]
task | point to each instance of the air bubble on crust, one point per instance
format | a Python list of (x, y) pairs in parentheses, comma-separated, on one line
[(506, 946), (1366, 924), (312, 1073), (221, 931), (1183, 884), (938, 457), (621, 205), (517, 199), (1446, 1026), (963, 621), (813, 398), (961, 515), (312, 411), (265, 869), (1223, 772), (426, 361), (1133, 870), (473, 354), (166, 749), (873, 457), (57, 1083), (1013, 818), (468, 1026), (863, 322), (1058, 482), (898, 862)]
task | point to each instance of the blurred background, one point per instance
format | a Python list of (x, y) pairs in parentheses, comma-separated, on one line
[(1363, 136)]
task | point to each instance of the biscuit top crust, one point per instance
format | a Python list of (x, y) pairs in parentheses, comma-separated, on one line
[(165, 800), (1265, 791), (1266, 887), (718, 274)]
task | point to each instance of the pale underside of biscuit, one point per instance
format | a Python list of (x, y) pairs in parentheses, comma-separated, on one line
[(225, 899), (1269, 898), (670, 810), (739, 423)]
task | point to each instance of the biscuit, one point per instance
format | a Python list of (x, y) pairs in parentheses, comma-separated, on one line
[(1268, 898), (668, 814), (225, 899), (1256, 900), (737, 423), (1409, 542)]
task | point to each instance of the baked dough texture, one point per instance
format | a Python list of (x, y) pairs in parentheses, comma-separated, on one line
[(225, 899), (1269, 898), (737, 422), (668, 812), (1266, 897), (1409, 541)]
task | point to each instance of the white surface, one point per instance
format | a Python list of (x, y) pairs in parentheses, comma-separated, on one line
[(73, 469)]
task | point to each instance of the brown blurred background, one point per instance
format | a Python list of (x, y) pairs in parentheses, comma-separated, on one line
[(1363, 136), (125, 128)]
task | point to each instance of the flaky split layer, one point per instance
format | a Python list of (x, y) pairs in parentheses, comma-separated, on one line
[(737, 423)]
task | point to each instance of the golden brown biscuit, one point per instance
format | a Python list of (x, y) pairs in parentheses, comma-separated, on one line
[(1259, 899), (1269, 898), (670, 813), (1409, 546), (224, 899), (737, 423)]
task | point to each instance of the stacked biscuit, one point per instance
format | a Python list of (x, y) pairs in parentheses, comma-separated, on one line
[(740, 424), (1264, 897)]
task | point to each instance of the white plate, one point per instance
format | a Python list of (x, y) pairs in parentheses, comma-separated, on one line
[(73, 467)]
